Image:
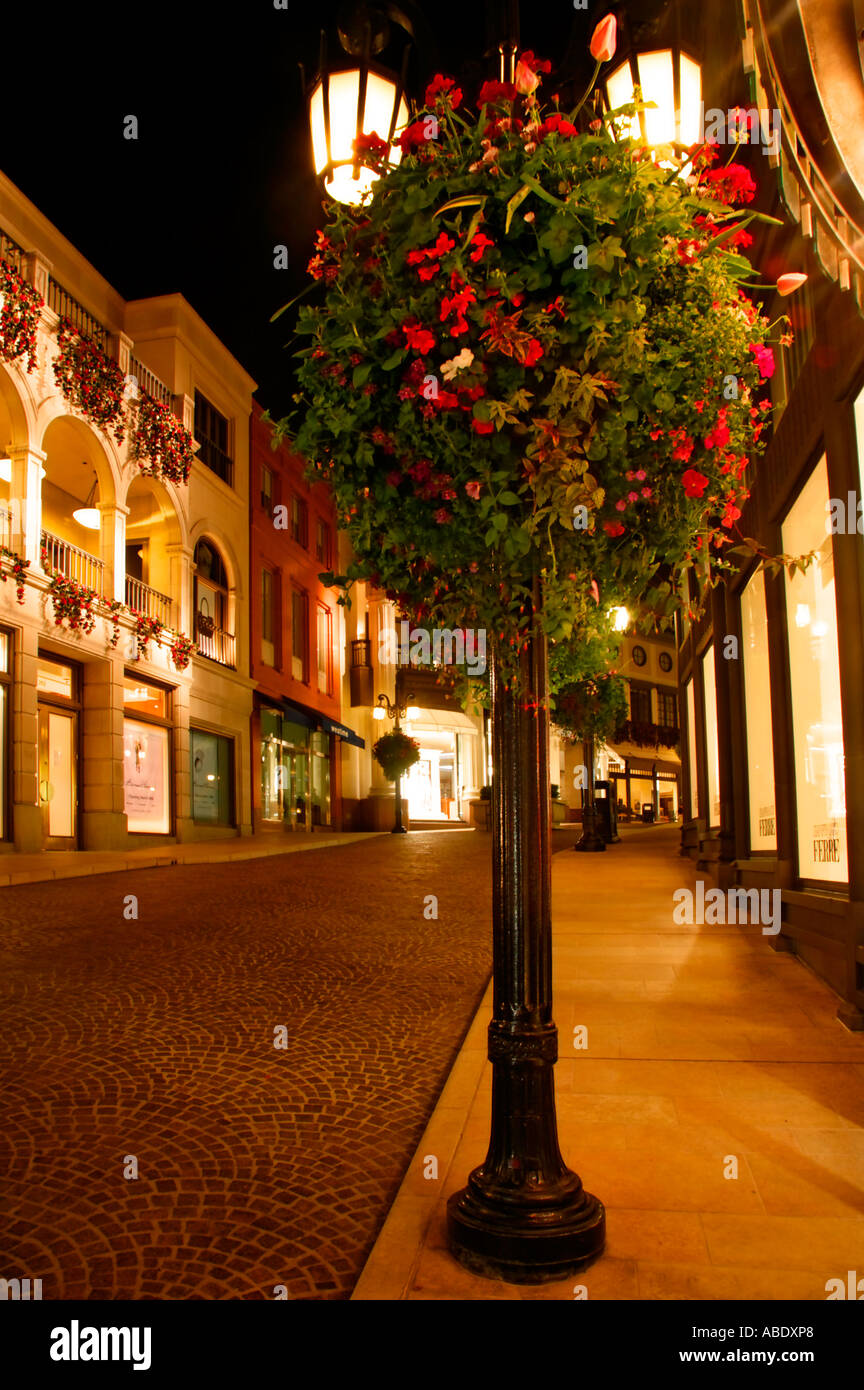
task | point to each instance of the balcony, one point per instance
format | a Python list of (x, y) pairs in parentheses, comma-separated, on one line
[(216, 645), (360, 674), (646, 735), (143, 599), (149, 382), (72, 563)]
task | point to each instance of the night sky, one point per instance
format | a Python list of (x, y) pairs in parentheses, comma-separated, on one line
[(221, 171)]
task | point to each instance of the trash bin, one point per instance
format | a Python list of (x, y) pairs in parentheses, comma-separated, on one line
[(606, 812), (647, 814)]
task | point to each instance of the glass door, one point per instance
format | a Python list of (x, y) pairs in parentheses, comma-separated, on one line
[(58, 790)]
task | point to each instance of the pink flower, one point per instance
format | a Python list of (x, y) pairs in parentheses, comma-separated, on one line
[(764, 360), (604, 40), (442, 516), (473, 490), (790, 282), (527, 80), (621, 506), (595, 591)]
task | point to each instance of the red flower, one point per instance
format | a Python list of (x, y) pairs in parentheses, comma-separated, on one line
[(418, 337), (442, 516), (532, 353), (482, 426), (688, 251), (613, 529), (372, 144), (480, 242), (556, 125), (493, 92), (694, 482), (416, 257), (764, 360), (413, 137), (790, 282), (731, 184), (443, 245), (443, 87), (428, 272), (473, 489)]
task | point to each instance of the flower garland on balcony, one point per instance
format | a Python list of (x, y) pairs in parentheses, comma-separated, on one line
[(18, 568), (115, 608), (73, 603), (19, 316), (158, 436), (146, 629), (90, 380), (182, 651), (534, 357)]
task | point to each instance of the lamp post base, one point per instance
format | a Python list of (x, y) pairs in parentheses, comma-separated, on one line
[(399, 830), (590, 841), (533, 1247)]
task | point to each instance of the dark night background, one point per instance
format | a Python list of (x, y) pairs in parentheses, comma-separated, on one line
[(222, 169)]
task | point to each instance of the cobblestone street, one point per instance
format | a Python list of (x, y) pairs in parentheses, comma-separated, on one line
[(152, 1040)]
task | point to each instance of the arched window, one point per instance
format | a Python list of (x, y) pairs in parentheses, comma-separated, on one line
[(212, 612)]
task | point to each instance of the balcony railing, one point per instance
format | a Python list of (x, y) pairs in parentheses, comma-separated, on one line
[(216, 460), (72, 563), (149, 382), (10, 250), (217, 646), (5, 526), (646, 735), (148, 601), (68, 308), (361, 652)]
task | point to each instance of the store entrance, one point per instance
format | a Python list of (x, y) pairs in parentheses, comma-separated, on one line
[(58, 776)]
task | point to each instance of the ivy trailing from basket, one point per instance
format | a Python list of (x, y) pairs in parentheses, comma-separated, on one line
[(72, 602), (146, 628), (90, 380), (160, 444)]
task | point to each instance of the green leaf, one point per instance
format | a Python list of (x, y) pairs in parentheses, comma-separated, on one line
[(393, 360), (509, 499), (361, 374), (514, 204), (468, 201)]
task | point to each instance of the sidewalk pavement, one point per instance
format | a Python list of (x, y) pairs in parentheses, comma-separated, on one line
[(54, 864), (704, 1046)]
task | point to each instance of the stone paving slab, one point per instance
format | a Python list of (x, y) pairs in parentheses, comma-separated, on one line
[(152, 1039), (703, 1043)]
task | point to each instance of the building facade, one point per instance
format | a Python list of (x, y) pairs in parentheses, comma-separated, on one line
[(772, 672), (112, 736)]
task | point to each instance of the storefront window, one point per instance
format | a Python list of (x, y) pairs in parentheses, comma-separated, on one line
[(212, 778), (146, 757), (284, 770), (320, 777), (691, 751), (712, 747), (814, 668), (4, 728), (757, 699)]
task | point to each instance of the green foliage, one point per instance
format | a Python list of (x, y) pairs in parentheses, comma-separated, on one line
[(471, 396)]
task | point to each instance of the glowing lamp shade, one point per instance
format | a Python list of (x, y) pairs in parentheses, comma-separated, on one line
[(620, 619), (379, 712), (89, 516), (412, 712), (676, 116), (343, 91)]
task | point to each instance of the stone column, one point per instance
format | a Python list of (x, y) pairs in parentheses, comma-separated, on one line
[(25, 497), (103, 814), (180, 587), (185, 826), (112, 548), (26, 811)]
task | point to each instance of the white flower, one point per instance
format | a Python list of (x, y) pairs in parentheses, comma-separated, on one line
[(457, 364)]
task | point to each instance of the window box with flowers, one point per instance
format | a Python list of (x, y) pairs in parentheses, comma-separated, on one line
[(159, 443)]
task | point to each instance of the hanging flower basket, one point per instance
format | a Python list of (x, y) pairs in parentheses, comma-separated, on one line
[(533, 357), (160, 444), (396, 752), (90, 380), (72, 603), (146, 629), (19, 316), (182, 651), (18, 568)]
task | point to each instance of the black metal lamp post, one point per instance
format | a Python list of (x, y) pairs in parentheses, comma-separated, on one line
[(590, 841), (524, 1216), (393, 710)]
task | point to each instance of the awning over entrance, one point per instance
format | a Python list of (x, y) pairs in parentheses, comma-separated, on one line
[(329, 726), (443, 719), (648, 765)]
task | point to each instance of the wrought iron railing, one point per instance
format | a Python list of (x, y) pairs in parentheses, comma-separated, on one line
[(361, 652), (67, 307), (647, 735), (148, 601), (217, 646), (10, 250), (62, 558), (149, 382)]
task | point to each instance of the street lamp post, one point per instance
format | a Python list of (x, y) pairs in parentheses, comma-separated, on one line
[(387, 709)]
